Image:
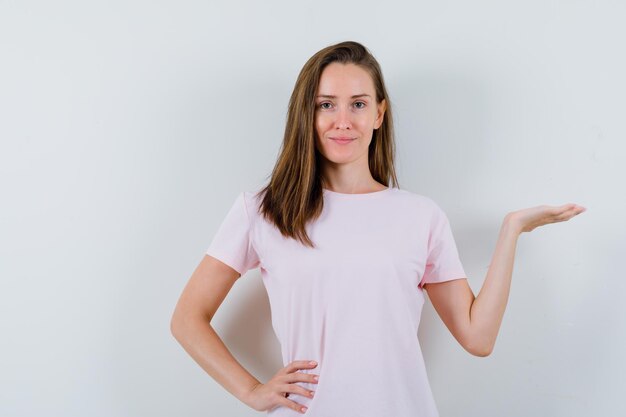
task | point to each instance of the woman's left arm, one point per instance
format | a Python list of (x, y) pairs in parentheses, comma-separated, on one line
[(474, 321)]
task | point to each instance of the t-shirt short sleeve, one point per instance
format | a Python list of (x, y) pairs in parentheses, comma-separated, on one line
[(232, 243), (443, 262)]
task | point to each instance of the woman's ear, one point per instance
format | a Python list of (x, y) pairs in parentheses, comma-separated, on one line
[(382, 106)]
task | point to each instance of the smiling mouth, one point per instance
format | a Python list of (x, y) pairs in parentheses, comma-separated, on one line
[(342, 140)]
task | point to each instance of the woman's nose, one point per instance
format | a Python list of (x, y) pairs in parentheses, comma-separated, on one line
[(343, 119)]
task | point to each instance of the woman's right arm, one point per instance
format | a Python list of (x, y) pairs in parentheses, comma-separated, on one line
[(190, 325)]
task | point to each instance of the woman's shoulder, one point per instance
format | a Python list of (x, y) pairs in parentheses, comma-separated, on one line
[(252, 198), (414, 198)]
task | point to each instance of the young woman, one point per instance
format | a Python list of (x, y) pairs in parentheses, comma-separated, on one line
[(345, 258)]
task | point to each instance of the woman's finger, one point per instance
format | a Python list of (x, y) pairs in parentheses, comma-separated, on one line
[(296, 389), (301, 377), (569, 213), (293, 405), (297, 365)]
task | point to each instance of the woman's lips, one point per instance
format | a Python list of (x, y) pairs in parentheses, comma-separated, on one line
[(342, 141)]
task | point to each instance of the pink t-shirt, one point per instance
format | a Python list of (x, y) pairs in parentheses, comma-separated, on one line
[(353, 304)]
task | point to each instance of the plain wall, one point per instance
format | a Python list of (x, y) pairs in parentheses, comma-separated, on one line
[(128, 128)]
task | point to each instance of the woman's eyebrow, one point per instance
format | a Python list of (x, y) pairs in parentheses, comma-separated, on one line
[(354, 96)]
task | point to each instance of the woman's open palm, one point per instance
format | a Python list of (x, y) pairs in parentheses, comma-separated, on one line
[(530, 218)]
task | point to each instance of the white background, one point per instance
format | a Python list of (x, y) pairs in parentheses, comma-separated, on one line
[(129, 127)]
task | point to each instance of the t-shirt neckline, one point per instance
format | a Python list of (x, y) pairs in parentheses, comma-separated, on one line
[(335, 194)]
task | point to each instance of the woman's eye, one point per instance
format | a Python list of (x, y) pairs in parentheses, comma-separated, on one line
[(321, 105)]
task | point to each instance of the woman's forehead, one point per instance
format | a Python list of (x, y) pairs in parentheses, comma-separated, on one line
[(345, 80)]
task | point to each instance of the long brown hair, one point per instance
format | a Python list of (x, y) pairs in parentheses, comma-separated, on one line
[(294, 194)]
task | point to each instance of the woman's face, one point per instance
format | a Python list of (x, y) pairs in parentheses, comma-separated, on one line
[(346, 108)]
